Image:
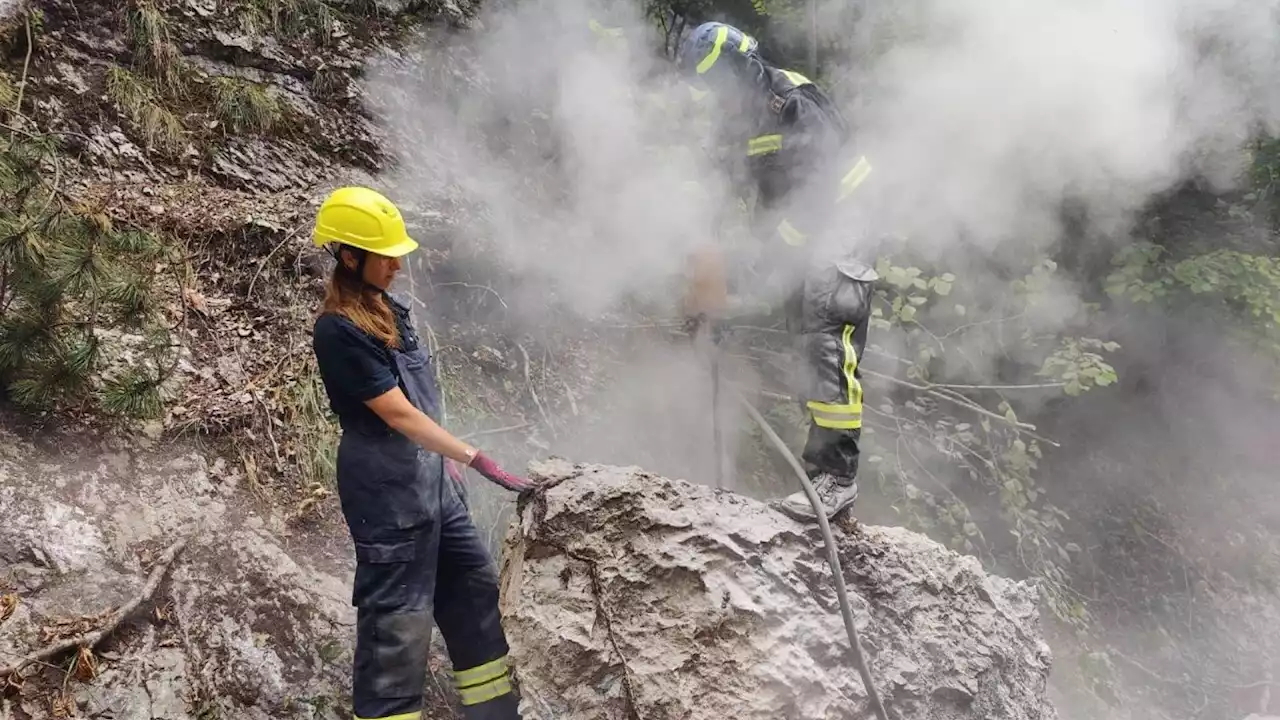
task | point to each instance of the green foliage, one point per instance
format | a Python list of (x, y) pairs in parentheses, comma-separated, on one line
[(67, 280), (942, 430), (244, 106), (1242, 287), (314, 428), (1078, 367), (147, 30), (160, 78), (1265, 170), (8, 91), (290, 19), (138, 100)]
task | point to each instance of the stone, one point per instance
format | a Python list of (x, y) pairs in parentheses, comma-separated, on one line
[(626, 594)]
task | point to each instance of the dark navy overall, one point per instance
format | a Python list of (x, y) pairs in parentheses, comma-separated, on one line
[(418, 556)]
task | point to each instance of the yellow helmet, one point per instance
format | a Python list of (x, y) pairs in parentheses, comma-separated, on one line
[(362, 218)]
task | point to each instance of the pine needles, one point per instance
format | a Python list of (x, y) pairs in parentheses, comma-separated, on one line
[(67, 280)]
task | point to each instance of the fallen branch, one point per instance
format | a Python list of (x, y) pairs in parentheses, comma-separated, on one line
[(26, 67), (494, 431), (469, 286), (528, 379), (941, 393), (89, 640), (289, 236)]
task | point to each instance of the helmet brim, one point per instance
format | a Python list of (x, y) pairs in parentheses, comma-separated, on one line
[(400, 249)]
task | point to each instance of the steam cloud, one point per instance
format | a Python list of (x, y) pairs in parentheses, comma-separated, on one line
[(988, 115), (981, 117)]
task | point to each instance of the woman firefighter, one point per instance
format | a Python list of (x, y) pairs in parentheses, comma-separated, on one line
[(418, 555)]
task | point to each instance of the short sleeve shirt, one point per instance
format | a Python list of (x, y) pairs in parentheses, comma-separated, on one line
[(355, 367)]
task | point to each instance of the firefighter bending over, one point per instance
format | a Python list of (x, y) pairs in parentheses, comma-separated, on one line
[(791, 141)]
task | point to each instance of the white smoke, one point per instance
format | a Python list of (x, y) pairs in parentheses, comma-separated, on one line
[(985, 116)]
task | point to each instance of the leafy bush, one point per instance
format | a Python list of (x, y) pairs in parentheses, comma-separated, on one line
[(1243, 287)]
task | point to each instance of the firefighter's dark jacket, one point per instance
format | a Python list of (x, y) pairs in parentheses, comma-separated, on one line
[(797, 151)]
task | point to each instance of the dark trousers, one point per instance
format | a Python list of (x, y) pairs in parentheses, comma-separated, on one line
[(438, 570), (830, 316)]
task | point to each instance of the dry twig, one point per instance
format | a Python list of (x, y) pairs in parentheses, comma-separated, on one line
[(469, 286), (288, 236), (91, 639), (26, 67), (534, 393), (494, 431)]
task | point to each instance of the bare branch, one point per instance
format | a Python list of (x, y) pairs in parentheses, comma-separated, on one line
[(89, 640)]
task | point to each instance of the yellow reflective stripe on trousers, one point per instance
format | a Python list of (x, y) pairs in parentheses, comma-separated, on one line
[(790, 235), (721, 35), (484, 693), (796, 78), (846, 416), (402, 716), (854, 178), (763, 145), (481, 673)]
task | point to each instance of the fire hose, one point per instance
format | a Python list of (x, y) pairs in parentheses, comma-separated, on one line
[(833, 557)]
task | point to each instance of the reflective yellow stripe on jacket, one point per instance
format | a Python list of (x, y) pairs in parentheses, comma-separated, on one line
[(848, 415), (852, 179), (764, 145), (790, 235)]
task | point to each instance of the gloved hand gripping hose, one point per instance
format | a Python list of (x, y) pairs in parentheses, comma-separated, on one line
[(833, 558)]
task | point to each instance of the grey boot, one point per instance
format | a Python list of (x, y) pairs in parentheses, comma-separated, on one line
[(836, 493)]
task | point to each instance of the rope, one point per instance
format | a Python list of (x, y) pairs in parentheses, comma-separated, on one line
[(833, 558)]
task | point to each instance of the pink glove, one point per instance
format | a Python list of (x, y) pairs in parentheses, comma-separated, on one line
[(482, 464)]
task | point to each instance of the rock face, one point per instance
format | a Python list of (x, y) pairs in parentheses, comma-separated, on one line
[(628, 595)]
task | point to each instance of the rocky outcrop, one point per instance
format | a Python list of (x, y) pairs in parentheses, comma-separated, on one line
[(252, 621), (628, 595)]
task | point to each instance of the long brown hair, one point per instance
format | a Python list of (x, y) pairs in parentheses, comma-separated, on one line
[(348, 296)]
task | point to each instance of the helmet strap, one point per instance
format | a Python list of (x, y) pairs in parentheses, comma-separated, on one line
[(362, 256)]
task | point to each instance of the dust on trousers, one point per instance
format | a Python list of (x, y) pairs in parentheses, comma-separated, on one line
[(419, 558), (829, 316)]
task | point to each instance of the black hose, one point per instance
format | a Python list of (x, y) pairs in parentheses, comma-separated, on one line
[(833, 557)]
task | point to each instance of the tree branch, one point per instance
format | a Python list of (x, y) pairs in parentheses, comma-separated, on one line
[(89, 640)]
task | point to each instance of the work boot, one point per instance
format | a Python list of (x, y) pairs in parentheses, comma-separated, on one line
[(835, 493)]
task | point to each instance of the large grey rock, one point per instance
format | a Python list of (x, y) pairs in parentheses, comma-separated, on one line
[(630, 595), (241, 627)]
